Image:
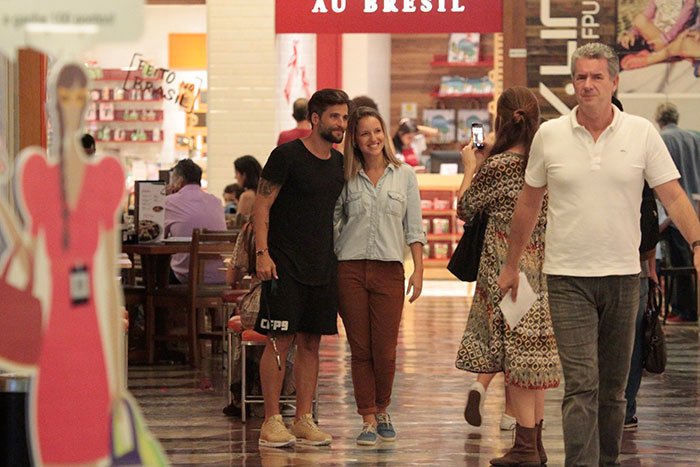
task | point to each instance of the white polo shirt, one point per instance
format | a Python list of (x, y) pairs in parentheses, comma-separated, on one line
[(595, 191)]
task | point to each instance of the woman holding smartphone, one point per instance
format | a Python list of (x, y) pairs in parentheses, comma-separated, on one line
[(377, 213), (526, 353)]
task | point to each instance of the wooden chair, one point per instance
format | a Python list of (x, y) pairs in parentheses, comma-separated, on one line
[(196, 295)]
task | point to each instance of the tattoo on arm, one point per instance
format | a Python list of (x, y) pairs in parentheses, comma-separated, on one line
[(266, 187)]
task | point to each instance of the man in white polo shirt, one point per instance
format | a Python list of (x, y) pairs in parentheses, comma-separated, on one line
[(593, 162)]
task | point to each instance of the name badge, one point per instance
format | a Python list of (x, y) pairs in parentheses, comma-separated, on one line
[(79, 285)]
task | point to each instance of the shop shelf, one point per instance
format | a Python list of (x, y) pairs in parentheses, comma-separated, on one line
[(127, 141), (119, 120), (129, 100), (462, 96), (441, 236), (436, 262), (130, 78), (439, 212), (441, 61)]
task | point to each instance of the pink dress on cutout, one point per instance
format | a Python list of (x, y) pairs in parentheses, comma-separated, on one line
[(71, 400)]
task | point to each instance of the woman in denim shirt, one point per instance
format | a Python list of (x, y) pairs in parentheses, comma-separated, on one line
[(377, 213)]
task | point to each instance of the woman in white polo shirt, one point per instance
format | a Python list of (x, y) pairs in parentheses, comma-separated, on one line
[(525, 352), (377, 213)]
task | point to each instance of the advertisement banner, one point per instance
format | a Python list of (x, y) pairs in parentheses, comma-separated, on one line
[(555, 28), (659, 48), (64, 28), (388, 16)]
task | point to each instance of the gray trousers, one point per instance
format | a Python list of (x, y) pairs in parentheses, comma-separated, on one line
[(593, 319)]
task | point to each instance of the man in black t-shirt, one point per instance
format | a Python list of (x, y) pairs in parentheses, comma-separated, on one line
[(293, 221)]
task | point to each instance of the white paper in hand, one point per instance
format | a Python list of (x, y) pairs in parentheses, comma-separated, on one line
[(514, 311)]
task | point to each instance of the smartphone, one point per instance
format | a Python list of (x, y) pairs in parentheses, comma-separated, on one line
[(478, 136)]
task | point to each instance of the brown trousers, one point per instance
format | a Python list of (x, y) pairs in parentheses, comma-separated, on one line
[(371, 296)]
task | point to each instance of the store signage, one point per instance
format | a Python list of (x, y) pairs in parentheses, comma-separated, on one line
[(388, 16), (560, 27), (141, 76), (67, 27)]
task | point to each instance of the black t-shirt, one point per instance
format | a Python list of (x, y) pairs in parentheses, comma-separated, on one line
[(301, 218)]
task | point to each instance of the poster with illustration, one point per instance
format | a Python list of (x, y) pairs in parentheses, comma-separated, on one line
[(658, 42), (61, 322), (465, 118), (464, 47), (444, 121)]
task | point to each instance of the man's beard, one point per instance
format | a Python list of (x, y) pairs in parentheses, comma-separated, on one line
[(328, 135)]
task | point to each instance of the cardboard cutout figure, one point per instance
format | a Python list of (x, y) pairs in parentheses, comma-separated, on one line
[(80, 411)]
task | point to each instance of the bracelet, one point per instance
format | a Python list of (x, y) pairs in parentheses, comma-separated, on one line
[(694, 244), (260, 252)]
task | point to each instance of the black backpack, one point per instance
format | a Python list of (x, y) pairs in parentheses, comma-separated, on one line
[(649, 223)]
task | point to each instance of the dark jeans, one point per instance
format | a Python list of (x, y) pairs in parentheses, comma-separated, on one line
[(593, 320), (683, 300), (637, 364)]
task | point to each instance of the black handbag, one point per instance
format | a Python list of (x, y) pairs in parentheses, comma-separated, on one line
[(654, 346), (464, 263)]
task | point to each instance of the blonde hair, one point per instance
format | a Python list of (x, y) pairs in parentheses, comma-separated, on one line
[(353, 157)]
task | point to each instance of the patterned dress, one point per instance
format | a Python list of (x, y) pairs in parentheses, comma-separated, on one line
[(527, 354)]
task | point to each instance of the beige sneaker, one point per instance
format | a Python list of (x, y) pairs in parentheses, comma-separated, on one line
[(274, 434), (308, 433)]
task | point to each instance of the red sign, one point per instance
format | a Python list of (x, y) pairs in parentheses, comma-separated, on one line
[(388, 16)]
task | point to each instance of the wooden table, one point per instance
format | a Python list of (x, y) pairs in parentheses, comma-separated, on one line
[(155, 265)]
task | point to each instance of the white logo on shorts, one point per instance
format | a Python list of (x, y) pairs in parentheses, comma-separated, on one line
[(276, 324)]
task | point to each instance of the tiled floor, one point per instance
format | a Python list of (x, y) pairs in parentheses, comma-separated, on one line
[(183, 407)]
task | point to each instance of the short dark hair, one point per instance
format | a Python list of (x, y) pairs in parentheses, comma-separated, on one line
[(299, 109), (234, 189), (190, 172), (666, 113), (325, 98), (250, 167), (363, 101)]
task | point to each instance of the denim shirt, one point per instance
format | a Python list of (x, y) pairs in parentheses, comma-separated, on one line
[(376, 222)]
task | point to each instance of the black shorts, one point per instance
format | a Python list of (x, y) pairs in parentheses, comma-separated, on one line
[(296, 307)]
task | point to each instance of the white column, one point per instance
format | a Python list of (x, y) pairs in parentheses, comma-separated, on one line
[(241, 75), (367, 68)]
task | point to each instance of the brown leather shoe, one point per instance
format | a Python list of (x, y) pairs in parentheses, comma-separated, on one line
[(524, 452)]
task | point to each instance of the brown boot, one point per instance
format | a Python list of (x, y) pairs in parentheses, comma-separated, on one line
[(540, 446), (524, 451)]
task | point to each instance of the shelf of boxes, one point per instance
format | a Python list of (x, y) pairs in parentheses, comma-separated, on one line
[(443, 229), (117, 116)]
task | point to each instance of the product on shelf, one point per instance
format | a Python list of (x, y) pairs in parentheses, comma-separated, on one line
[(440, 250), (442, 120), (106, 111), (426, 225), (426, 250), (441, 225), (426, 204), (464, 47), (91, 112), (441, 204), (457, 85)]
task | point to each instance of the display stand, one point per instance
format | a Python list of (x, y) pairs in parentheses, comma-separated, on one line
[(439, 195)]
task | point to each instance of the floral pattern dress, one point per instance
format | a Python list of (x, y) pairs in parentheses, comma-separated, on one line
[(526, 354)]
